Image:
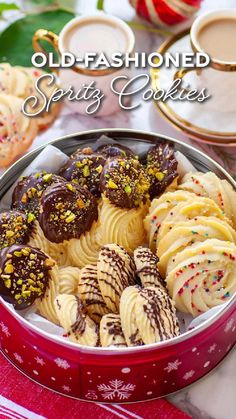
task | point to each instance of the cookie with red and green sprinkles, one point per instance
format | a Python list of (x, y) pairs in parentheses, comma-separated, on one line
[(161, 168), (28, 191), (124, 182), (66, 211), (15, 228), (84, 168), (24, 275)]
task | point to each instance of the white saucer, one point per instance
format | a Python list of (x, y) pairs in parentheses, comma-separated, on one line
[(198, 120)]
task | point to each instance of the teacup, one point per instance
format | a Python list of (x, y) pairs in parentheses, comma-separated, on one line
[(96, 33), (214, 33)]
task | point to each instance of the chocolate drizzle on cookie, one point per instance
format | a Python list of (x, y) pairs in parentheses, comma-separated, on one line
[(15, 228), (66, 211), (115, 273), (84, 168), (161, 312), (146, 268), (161, 167), (24, 275), (90, 294), (124, 182), (28, 191)]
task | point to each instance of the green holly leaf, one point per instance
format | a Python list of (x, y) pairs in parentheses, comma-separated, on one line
[(8, 6), (100, 4), (16, 41)]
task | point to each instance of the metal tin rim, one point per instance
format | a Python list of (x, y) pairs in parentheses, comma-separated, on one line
[(140, 349)]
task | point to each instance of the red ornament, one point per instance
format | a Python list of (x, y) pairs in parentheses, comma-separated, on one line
[(166, 12)]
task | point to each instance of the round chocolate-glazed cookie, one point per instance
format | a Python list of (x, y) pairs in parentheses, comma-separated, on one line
[(161, 167), (124, 182), (15, 228), (84, 168), (28, 191), (66, 211), (24, 274), (115, 150)]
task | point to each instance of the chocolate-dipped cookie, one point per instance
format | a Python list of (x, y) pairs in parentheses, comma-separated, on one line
[(24, 274), (15, 228), (124, 182), (66, 211), (84, 168), (28, 191), (115, 150), (161, 167)]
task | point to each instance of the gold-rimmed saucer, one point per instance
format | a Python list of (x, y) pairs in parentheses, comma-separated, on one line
[(197, 120)]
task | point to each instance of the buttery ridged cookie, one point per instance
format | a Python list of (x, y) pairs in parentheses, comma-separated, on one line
[(111, 333), (155, 315), (74, 319), (115, 272), (202, 276), (159, 209), (128, 316), (122, 226), (45, 305), (146, 268), (90, 294), (209, 185), (84, 251), (184, 211), (186, 233), (68, 280)]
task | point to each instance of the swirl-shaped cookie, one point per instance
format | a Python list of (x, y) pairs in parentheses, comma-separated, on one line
[(29, 189), (184, 211), (16, 130), (16, 228), (128, 316), (115, 272), (90, 294), (25, 275), (68, 280), (111, 333), (122, 226), (155, 315), (85, 250), (84, 168), (124, 182), (186, 233), (202, 276), (209, 185), (161, 168), (45, 304), (146, 268), (66, 211), (158, 211), (72, 317)]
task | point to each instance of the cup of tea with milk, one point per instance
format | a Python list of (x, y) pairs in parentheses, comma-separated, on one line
[(213, 33), (99, 33)]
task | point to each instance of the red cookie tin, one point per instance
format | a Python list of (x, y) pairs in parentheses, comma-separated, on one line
[(116, 375)]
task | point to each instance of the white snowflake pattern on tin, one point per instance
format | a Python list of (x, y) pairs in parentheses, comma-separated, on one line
[(62, 363), (116, 388), (39, 361), (5, 329), (66, 388), (229, 325), (212, 348), (18, 358), (188, 375), (173, 366)]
